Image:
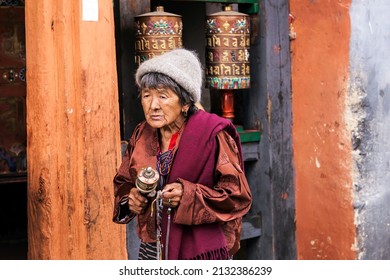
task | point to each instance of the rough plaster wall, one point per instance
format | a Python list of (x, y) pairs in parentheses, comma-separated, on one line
[(369, 120), (322, 143)]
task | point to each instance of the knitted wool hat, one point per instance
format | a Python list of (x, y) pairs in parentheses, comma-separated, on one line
[(181, 65)]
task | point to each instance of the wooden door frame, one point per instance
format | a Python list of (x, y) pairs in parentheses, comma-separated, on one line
[(73, 132), (268, 108)]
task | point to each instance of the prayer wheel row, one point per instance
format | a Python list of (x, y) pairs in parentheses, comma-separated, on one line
[(227, 44)]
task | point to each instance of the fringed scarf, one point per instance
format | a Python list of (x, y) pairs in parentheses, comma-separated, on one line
[(195, 161)]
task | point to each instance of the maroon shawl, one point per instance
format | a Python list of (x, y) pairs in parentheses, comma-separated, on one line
[(195, 161)]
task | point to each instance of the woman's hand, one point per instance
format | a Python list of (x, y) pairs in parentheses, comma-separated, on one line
[(172, 194), (137, 202)]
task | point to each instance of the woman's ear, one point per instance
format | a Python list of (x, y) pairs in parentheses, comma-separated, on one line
[(185, 108)]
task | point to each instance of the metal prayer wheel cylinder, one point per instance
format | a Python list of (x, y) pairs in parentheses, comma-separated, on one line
[(147, 180), (227, 50), (156, 33)]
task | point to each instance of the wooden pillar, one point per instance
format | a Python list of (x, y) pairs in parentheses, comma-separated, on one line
[(73, 132), (269, 104)]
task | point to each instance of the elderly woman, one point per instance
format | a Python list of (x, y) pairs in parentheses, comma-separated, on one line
[(202, 188)]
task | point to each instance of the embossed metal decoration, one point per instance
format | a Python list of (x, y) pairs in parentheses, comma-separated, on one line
[(12, 2), (227, 50), (147, 180), (156, 33)]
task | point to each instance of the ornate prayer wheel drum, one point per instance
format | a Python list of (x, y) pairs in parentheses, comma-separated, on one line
[(156, 33), (227, 50), (147, 180)]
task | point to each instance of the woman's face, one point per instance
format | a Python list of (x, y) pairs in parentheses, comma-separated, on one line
[(161, 107)]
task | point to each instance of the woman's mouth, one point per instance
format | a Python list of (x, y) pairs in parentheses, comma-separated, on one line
[(156, 117)]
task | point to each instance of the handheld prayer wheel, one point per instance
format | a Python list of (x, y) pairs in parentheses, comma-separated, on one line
[(156, 33), (227, 55), (147, 180)]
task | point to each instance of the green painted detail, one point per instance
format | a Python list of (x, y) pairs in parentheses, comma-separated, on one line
[(248, 135), (250, 9), (221, 1), (246, 6)]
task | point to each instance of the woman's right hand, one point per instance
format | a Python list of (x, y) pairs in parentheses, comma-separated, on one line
[(137, 202)]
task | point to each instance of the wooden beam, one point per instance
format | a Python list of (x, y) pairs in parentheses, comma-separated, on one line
[(270, 107), (73, 132)]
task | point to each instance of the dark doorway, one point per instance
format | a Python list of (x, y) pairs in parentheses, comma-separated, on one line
[(13, 167)]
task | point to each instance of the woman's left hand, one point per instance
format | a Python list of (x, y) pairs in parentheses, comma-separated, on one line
[(172, 194)]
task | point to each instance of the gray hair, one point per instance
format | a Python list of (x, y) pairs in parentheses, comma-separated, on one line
[(181, 65), (155, 80)]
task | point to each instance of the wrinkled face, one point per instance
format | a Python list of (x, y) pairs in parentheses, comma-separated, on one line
[(161, 107)]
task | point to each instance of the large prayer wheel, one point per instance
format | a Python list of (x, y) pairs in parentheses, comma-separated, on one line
[(227, 50), (156, 33)]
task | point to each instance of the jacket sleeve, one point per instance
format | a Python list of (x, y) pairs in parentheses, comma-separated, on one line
[(122, 185), (228, 200)]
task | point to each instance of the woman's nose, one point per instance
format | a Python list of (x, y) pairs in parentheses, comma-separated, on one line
[(155, 104)]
